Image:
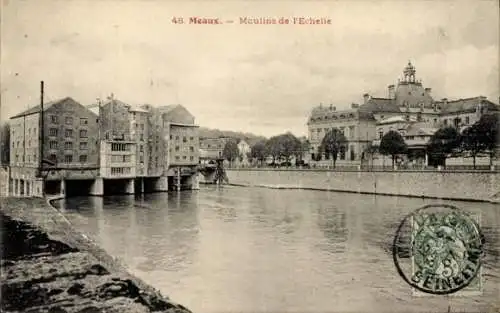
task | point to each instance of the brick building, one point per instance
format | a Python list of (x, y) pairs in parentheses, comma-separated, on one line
[(70, 144)]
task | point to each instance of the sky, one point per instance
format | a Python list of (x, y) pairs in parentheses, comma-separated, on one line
[(263, 79)]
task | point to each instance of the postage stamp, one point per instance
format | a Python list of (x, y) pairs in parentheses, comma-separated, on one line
[(438, 250)]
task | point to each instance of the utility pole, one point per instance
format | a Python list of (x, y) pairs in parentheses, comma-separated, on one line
[(41, 139)]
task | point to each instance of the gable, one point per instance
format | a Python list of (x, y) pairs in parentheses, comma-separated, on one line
[(180, 115), (69, 105)]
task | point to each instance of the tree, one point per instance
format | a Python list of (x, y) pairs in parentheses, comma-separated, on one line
[(488, 127), (482, 137), (442, 143), (470, 141), (290, 146), (5, 143), (231, 151), (283, 146), (258, 151), (392, 144), (272, 147), (333, 143), (304, 148)]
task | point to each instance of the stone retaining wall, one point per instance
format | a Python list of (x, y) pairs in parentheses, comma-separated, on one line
[(475, 186)]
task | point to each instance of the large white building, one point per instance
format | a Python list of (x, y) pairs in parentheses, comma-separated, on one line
[(407, 103)]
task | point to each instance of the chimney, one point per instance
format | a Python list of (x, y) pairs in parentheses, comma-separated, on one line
[(354, 105), (392, 95), (366, 97), (428, 91)]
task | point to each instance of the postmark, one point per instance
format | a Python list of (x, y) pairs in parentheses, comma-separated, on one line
[(438, 249)]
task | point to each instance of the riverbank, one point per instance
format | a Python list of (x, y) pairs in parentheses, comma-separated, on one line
[(444, 185), (48, 266)]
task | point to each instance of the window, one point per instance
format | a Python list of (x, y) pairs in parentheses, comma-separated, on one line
[(342, 153), (191, 149), (142, 137), (380, 135), (191, 138), (171, 137), (68, 133), (83, 145), (141, 148), (53, 119), (142, 126), (83, 158), (184, 139), (191, 158), (445, 122), (68, 120), (176, 148), (177, 158), (53, 132), (83, 121), (467, 120), (351, 131), (53, 144), (83, 133), (141, 159), (68, 145), (176, 137), (68, 158), (29, 158), (184, 157)]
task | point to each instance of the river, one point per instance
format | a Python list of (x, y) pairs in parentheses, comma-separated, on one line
[(236, 249)]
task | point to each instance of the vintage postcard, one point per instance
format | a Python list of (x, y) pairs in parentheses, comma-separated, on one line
[(250, 156)]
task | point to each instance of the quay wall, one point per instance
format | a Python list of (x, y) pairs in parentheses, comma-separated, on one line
[(60, 269), (466, 185)]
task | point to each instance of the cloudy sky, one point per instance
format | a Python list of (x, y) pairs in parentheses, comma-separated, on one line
[(258, 78)]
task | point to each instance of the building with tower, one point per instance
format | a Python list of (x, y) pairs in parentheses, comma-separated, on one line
[(407, 105)]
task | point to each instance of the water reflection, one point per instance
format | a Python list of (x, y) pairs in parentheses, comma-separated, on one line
[(262, 250), (332, 222)]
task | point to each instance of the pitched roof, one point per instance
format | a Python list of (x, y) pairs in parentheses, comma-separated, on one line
[(136, 108), (375, 105), (37, 108), (116, 101), (466, 105)]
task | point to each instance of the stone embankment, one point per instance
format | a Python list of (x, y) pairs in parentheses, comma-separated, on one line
[(445, 185), (47, 266)]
